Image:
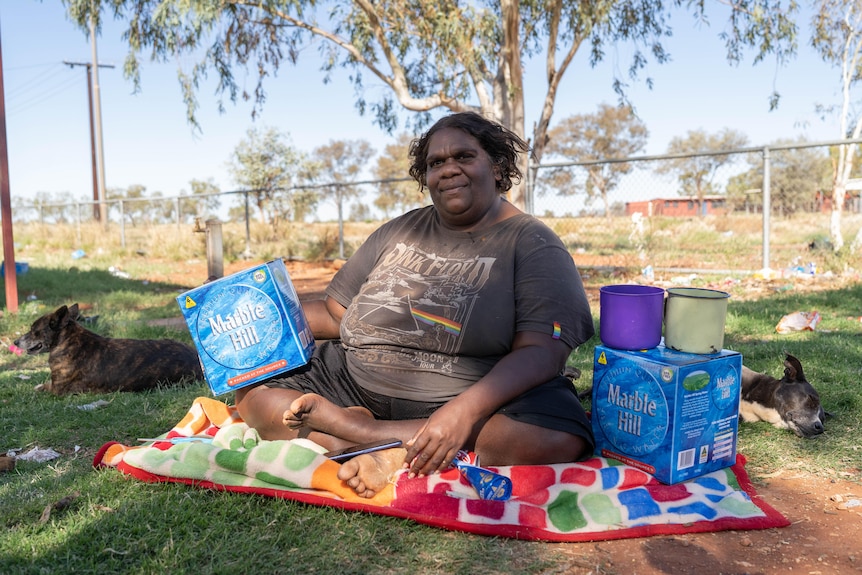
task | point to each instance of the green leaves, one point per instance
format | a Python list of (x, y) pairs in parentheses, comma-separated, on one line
[(265, 163), (453, 54), (612, 132)]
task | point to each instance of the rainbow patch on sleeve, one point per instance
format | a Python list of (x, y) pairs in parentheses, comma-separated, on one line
[(557, 330), (448, 325)]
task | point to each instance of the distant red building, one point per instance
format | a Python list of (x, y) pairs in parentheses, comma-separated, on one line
[(681, 206), (851, 199)]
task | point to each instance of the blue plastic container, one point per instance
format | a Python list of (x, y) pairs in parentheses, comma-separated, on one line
[(21, 268)]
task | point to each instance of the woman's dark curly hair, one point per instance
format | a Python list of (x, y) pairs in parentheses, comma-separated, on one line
[(502, 145)]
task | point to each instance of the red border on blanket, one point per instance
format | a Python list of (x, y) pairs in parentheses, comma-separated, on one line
[(772, 519)]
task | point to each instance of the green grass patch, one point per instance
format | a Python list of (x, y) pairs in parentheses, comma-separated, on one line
[(113, 524)]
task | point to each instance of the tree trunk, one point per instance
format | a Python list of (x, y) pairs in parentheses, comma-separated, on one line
[(856, 246), (509, 90), (835, 234), (340, 226), (839, 192), (261, 210), (553, 75)]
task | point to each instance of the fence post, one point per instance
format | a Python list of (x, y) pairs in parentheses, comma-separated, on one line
[(247, 253), (767, 208), (122, 223), (340, 224), (531, 179), (78, 222), (215, 249)]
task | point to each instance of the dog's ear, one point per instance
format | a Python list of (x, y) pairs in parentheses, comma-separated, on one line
[(58, 316), (793, 369), (63, 316), (73, 311)]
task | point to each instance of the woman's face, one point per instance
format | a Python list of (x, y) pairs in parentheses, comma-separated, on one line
[(462, 179)]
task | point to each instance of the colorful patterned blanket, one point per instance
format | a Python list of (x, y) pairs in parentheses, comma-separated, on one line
[(593, 500)]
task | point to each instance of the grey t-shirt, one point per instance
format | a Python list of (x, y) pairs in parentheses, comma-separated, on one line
[(431, 310)]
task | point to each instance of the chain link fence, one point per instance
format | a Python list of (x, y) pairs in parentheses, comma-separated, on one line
[(786, 178)]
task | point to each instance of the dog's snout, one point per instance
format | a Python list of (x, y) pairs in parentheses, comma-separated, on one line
[(28, 345)]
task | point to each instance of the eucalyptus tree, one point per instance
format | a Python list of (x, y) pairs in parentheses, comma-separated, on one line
[(137, 205), (444, 55), (57, 207), (797, 177), (203, 200), (611, 133), (339, 165), (269, 168), (696, 167), (396, 191), (837, 37)]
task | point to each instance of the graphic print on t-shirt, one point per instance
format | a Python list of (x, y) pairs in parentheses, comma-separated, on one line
[(417, 300)]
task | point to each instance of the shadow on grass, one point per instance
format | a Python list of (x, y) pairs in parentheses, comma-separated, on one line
[(115, 524), (120, 525), (61, 286), (118, 301)]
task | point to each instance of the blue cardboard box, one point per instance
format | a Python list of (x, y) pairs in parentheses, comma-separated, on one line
[(21, 268), (247, 327), (674, 415)]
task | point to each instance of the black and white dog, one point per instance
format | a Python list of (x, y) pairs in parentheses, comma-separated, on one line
[(787, 403)]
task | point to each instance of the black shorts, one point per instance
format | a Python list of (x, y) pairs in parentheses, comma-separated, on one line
[(552, 405)]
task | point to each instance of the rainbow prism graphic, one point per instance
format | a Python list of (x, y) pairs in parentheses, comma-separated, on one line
[(448, 325)]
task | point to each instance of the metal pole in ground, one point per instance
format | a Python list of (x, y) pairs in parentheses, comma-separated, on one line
[(10, 277), (767, 208), (247, 252), (215, 250)]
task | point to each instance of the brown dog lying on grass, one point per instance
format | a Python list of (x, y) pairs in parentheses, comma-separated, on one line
[(82, 361)]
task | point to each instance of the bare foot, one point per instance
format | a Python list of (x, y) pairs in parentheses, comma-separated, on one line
[(369, 473), (311, 412)]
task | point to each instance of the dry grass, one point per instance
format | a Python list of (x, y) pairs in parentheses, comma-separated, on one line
[(718, 242)]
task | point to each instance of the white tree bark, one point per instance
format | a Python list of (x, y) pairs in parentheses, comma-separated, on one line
[(850, 53)]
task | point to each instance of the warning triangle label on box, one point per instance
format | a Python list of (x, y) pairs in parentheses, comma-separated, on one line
[(190, 303)]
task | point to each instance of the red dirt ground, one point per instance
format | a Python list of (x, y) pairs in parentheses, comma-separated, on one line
[(825, 535)]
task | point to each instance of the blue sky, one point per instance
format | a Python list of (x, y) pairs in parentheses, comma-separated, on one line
[(148, 141)]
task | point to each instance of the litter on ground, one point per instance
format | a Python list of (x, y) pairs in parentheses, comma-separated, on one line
[(38, 455), (798, 321)]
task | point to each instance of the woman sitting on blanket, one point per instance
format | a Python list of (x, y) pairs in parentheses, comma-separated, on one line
[(449, 328)]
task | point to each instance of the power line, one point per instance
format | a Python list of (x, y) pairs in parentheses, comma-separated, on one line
[(23, 104), (38, 89), (34, 81)]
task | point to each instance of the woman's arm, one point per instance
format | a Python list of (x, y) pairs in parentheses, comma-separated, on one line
[(324, 317)]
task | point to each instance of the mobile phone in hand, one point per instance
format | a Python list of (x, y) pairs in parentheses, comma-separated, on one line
[(354, 450)]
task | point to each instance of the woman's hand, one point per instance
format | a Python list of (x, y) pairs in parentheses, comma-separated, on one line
[(434, 446), (535, 358)]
